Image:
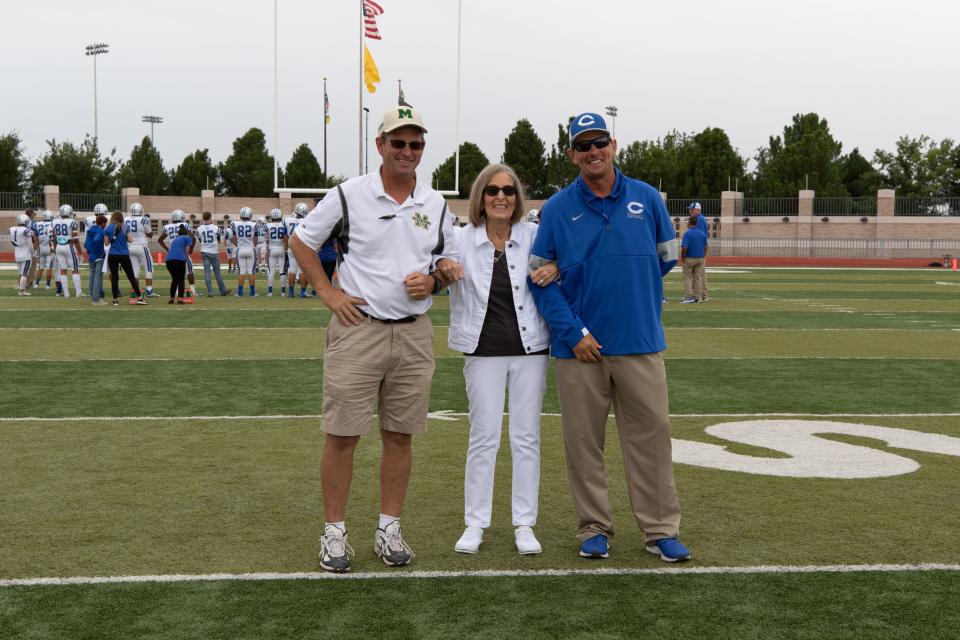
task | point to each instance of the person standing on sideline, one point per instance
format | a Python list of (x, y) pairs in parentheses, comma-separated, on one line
[(47, 257), (209, 236), (505, 341), (96, 254), (66, 234), (392, 230), (25, 244), (177, 255), (35, 260), (613, 242), (118, 256), (244, 238), (693, 253), (228, 243), (696, 212), (290, 223), (277, 244), (140, 230)]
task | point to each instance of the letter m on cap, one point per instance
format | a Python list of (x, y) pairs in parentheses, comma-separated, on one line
[(404, 113)]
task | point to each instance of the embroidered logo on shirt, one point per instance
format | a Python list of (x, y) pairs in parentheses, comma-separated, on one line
[(635, 210), (421, 220), (575, 218)]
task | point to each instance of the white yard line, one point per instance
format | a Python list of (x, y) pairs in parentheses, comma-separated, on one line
[(446, 415), (489, 573)]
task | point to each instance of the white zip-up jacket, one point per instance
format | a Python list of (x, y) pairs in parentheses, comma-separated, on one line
[(468, 297)]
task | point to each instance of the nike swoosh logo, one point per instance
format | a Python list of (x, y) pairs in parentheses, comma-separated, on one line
[(575, 218)]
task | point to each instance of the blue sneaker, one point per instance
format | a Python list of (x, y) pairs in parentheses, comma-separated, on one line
[(595, 547), (669, 550)]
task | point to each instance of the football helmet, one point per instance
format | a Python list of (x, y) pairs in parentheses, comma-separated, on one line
[(47, 216), (261, 220), (275, 214), (23, 220), (66, 211), (533, 215), (136, 209), (101, 210), (176, 216), (246, 213), (301, 209)]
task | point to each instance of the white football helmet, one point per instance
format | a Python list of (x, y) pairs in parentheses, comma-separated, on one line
[(101, 210), (23, 220), (276, 214), (261, 220), (66, 211), (136, 209), (177, 215), (301, 210), (47, 216), (533, 215), (246, 213)]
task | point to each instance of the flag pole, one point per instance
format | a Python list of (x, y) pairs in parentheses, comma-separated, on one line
[(326, 174), (276, 107), (360, 109), (456, 170)]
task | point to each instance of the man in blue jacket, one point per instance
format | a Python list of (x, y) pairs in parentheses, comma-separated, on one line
[(696, 212), (613, 241)]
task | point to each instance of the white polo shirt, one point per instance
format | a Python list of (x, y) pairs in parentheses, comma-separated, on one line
[(385, 241)]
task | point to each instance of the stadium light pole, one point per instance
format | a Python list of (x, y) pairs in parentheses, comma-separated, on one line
[(612, 112), (95, 50), (152, 120)]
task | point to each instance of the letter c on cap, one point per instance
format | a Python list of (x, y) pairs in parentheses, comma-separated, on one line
[(586, 120)]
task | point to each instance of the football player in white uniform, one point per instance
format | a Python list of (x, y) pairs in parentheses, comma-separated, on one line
[(169, 233), (245, 240), (24, 242), (66, 235), (293, 269), (228, 242), (276, 251), (140, 231), (47, 255), (261, 244)]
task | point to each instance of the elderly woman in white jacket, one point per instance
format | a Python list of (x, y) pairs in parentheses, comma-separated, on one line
[(495, 323)]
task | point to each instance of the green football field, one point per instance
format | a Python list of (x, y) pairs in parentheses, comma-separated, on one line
[(159, 476)]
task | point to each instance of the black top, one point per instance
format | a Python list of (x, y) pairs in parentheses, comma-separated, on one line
[(500, 335)]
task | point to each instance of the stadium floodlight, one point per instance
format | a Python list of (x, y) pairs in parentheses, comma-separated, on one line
[(152, 120), (612, 112), (95, 50)]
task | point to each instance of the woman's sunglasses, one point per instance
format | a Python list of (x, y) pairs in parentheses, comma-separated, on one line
[(416, 145), (584, 145), (492, 190)]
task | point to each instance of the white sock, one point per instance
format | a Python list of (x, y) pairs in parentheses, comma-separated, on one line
[(339, 525), (23, 282), (76, 283), (386, 520), (64, 285), (193, 289)]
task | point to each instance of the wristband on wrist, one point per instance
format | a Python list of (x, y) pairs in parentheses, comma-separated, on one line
[(437, 283)]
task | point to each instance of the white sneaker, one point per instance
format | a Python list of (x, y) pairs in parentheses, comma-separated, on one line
[(389, 546), (24, 293), (527, 543), (470, 541), (270, 295), (335, 551)]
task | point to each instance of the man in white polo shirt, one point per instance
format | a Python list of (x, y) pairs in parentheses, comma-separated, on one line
[(392, 230)]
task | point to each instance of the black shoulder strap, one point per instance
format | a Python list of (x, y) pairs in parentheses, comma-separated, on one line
[(341, 230), (437, 250)]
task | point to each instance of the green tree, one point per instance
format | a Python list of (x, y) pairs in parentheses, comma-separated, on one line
[(559, 171), (249, 169), (472, 162), (145, 170), (920, 167), (807, 156), (75, 169), (859, 176), (656, 161), (524, 151), (708, 164), (194, 174), (303, 169), (13, 164)]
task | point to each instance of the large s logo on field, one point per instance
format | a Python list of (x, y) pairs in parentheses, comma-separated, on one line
[(810, 455)]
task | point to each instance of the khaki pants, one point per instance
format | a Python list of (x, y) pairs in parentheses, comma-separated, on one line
[(694, 281), (637, 387)]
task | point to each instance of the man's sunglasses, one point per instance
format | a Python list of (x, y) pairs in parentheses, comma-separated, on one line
[(584, 145), (492, 190), (416, 145)]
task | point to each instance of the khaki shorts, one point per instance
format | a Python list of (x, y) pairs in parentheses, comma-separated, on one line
[(390, 365)]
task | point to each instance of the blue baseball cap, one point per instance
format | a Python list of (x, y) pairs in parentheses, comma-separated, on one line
[(587, 122), (694, 205)]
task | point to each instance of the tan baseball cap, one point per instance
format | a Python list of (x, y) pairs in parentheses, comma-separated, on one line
[(396, 117)]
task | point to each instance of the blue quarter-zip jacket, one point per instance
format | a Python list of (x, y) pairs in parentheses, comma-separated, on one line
[(612, 254)]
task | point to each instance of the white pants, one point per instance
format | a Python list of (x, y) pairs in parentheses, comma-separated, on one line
[(275, 260), (140, 259), (292, 267), (48, 260), (488, 380), (67, 259), (245, 260)]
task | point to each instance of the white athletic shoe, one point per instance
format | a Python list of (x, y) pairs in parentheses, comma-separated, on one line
[(470, 541), (270, 294), (527, 543), (24, 293)]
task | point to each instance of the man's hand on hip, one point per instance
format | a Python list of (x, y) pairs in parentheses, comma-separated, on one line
[(343, 305)]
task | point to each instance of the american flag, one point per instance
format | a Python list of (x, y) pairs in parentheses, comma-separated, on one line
[(370, 12), (326, 107)]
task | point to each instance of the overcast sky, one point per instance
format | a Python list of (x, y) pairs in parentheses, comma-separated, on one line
[(876, 70)]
